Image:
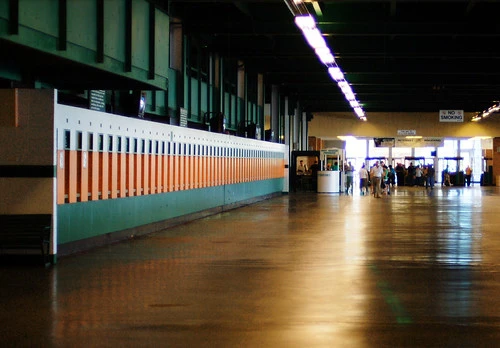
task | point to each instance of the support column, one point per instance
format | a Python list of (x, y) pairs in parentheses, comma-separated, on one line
[(367, 163), (295, 130), (215, 84), (275, 113), (176, 62), (286, 184), (241, 92), (303, 132)]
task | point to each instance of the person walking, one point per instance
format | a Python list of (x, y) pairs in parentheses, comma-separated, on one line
[(349, 174), (363, 180), (376, 177)]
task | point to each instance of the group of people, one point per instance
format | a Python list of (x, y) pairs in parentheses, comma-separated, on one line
[(420, 175), (302, 168), (380, 177)]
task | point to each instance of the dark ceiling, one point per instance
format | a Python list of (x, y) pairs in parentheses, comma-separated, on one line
[(398, 55)]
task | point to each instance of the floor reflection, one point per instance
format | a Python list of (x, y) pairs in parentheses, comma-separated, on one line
[(301, 270)]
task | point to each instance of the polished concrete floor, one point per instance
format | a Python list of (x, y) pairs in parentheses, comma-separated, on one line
[(419, 268)]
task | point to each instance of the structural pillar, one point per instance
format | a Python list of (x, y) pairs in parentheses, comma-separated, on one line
[(275, 106), (295, 130), (303, 132), (286, 183)]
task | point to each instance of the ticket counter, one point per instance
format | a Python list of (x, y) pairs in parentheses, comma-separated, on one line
[(329, 181)]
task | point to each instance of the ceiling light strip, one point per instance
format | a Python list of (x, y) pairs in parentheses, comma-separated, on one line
[(486, 113), (307, 24)]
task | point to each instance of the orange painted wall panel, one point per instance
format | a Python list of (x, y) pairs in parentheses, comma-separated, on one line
[(113, 174), (183, 162), (94, 175), (130, 175), (138, 175), (104, 178), (190, 183), (212, 170), (84, 176), (152, 174), (145, 174), (216, 170), (187, 171), (167, 172), (72, 189), (176, 171), (159, 174), (60, 177), (171, 178), (122, 174), (196, 171)]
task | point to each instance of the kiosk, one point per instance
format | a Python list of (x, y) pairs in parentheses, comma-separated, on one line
[(306, 181), (330, 181)]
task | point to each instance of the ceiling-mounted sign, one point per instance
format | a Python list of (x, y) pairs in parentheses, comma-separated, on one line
[(451, 115), (420, 142), (383, 142), (404, 132), (405, 142), (330, 152)]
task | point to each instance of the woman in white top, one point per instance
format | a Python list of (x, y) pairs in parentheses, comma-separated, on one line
[(363, 180)]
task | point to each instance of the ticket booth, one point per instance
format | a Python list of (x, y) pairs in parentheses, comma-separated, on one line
[(330, 177), (304, 181)]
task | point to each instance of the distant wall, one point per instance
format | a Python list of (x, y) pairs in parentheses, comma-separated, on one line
[(330, 125)]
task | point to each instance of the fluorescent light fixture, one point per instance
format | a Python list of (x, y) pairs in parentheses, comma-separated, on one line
[(317, 8), (314, 38), (480, 115), (350, 96), (336, 73), (307, 24), (359, 111), (477, 118), (346, 137), (325, 55), (346, 88), (413, 137)]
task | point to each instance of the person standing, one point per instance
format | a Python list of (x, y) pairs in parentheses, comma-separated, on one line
[(349, 173), (468, 175), (376, 177), (418, 176), (430, 176), (302, 168), (363, 180)]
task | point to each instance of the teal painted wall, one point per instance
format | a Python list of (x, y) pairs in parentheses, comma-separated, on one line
[(82, 14), (79, 221), (39, 29), (140, 35), (114, 36), (172, 89), (162, 43)]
